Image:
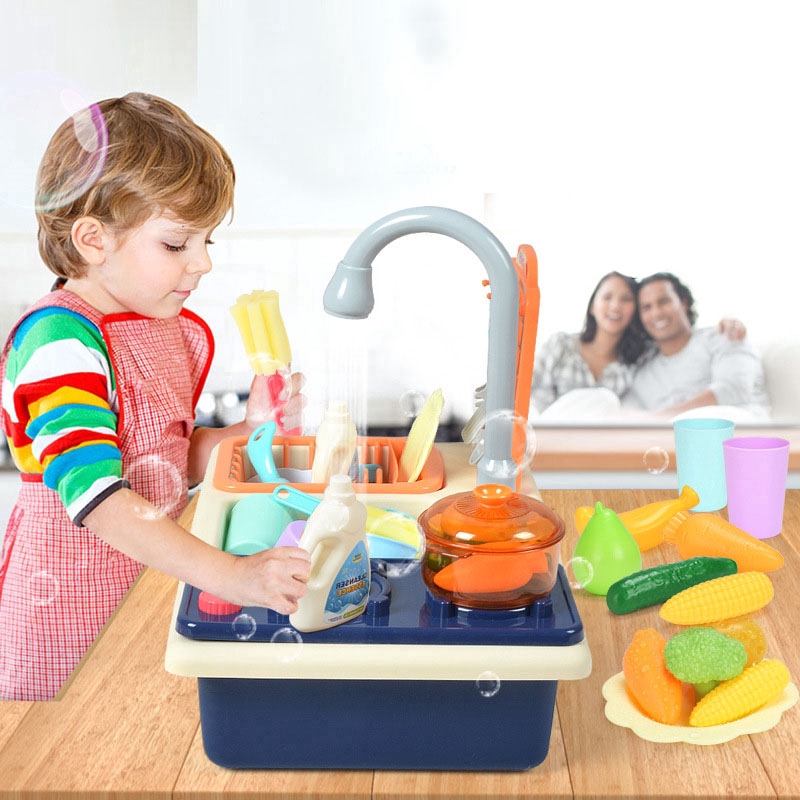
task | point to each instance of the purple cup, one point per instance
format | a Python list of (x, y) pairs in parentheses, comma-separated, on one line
[(291, 534), (755, 476)]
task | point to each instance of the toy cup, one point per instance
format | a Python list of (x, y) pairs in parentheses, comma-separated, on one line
[(755, 473), (257, 522), (700, 463)]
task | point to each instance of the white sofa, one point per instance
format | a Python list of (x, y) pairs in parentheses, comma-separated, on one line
[(782, 372), (599, 407)]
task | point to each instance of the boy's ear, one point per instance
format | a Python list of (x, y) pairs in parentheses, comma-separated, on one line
[(91, 239)]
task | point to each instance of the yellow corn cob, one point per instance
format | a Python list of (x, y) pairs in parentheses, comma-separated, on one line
[(720, 598), (741, 695)]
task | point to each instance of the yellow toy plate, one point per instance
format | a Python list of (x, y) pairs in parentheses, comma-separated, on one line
[(420, 438), (621, 711)]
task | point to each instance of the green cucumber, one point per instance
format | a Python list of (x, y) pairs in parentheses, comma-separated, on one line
[(657, 584)]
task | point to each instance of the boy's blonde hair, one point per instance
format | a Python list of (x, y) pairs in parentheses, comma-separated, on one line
[(123, 160)]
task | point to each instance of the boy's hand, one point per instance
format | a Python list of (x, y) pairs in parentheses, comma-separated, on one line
[(274, 578), (277, 397)]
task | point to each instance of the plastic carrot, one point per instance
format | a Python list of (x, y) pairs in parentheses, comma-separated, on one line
[(646, 524), (709, 535), (720, 598), (742, 695), (655, 689), (498, 572)]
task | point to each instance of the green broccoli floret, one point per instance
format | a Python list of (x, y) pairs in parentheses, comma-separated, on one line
[(699, 655)]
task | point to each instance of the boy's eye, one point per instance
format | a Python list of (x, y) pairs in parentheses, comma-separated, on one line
[(175, 248)]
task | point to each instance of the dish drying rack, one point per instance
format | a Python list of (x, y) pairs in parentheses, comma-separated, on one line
[(235, 473)]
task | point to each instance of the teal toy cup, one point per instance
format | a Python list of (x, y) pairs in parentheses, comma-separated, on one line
[(755, 473), (256, 523), (699, 459)]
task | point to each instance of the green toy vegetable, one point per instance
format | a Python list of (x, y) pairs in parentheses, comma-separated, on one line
[(657, 584)]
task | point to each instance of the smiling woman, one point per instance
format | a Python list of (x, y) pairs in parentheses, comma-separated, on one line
[(604, 354)]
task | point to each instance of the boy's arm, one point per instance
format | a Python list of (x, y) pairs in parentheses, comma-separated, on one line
[(274, 578)]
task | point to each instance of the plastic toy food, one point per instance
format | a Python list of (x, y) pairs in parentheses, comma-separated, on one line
[(700, 655), (498, 572), (655, 688), (742, 695), (748, 632), (709, 535), (605, 552), (720, 598), (657, 584), (646, 524)]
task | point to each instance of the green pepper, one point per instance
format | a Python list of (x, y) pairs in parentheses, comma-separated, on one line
[(657, 584)]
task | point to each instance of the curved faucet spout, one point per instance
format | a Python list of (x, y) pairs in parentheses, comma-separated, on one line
[(349, 294)]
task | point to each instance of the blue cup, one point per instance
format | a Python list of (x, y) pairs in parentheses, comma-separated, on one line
[(700, 461), (256, 523)]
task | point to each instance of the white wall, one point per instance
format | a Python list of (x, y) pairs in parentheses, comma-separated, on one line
[(615, 135)]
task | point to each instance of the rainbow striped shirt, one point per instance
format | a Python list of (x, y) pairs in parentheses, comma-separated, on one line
[(60, 408)]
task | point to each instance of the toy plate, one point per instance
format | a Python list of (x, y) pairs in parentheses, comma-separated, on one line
[(420, 438), (621, 711)]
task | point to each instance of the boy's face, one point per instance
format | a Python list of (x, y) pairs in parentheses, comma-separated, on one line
[(152, 269)]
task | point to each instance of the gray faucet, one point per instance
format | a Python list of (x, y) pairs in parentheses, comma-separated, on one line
[(349, 295)]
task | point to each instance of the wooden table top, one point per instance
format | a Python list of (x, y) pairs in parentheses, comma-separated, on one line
[(124, 726)]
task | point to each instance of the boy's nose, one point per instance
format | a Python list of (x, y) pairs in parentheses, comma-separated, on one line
[(202, 263)]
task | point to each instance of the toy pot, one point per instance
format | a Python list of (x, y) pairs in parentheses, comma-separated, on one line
[(490, 548)]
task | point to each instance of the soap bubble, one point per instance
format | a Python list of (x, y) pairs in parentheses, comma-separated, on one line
[(34, 103), (43, 588), (488, 684), (582, 572), (244, 627), (412, 402), (291, 644), (656, 460), (158, 481), (521, 435)]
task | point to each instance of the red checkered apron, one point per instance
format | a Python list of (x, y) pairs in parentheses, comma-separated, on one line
[(59, 583)]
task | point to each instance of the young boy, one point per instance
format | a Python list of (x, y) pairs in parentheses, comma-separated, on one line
[(99, 383)]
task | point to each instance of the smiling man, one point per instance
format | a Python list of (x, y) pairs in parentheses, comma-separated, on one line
[(693, 367)]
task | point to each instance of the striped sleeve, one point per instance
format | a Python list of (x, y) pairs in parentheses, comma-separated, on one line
[(60, 408)]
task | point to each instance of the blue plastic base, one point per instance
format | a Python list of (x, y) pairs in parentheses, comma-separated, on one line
[(419, 725)]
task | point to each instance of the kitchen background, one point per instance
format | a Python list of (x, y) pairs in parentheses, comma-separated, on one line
[(616, 135)]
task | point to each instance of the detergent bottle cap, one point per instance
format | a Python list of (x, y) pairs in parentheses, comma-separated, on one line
[(340, 488), (337, 411), (673, 527)]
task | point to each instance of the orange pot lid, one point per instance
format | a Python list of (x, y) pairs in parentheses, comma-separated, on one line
[(492, 513)]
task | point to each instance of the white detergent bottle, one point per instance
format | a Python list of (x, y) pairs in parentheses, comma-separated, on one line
[(336, 537), (335, 444)]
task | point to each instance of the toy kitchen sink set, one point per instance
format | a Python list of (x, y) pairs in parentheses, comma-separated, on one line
[(435, 636)]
